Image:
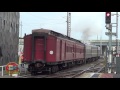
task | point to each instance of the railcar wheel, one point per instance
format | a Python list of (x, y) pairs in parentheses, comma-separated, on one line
[(60, 68), (49, 70), (56, 68), (33, 73), (81, 62), (70, 65), (53, 69)]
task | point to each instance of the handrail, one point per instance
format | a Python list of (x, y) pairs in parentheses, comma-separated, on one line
[(2, 69)]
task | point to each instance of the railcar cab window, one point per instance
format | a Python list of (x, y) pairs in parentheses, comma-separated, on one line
[(80, 50), (69, 49)]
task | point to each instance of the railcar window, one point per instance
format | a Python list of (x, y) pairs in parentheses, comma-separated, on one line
[(74, 49), (70, 49), (80, 50), (67, 49)]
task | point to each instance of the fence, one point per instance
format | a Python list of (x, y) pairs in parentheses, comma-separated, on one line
[(22, 69), (2, 73)]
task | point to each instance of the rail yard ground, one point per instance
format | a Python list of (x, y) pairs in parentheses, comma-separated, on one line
[(74, 72), (94, 69)]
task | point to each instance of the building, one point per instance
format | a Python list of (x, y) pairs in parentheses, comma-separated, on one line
[(9, 36)]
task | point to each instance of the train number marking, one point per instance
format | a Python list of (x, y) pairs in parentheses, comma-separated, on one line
[(51, 52)]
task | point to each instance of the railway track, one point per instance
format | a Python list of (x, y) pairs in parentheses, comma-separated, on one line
[(94, 69), (74, 74), (71, 73)]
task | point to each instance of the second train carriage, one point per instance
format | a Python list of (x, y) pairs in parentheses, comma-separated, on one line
[(92, 52)]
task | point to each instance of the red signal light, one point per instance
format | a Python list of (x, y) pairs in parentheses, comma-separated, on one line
[(108, 14), (108, 17)]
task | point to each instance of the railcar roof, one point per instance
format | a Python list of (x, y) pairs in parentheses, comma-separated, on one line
[(51, 32)]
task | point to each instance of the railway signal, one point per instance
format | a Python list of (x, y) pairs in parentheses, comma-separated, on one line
[(108, 17)]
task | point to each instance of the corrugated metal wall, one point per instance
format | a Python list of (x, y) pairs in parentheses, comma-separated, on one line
[(9, 36)]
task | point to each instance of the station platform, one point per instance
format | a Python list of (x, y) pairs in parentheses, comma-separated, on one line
[(99, 75)]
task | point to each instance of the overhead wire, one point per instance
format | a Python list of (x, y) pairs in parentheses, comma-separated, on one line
[(45, 18), (28, 24), (41, 17)]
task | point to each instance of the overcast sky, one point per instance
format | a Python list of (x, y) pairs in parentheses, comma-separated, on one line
[(84, 25)]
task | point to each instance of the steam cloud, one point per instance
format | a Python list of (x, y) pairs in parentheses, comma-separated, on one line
[(86, 33), (89, 26)]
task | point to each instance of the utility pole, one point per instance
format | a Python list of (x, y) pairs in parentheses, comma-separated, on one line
[(68, 24), (101, 45), (117, 33), (109, 59), (110, 50)]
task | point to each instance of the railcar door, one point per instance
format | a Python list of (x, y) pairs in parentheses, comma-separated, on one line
[(39, 48), (60, 49)]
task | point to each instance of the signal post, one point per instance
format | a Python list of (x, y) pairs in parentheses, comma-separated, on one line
[(109, 33)]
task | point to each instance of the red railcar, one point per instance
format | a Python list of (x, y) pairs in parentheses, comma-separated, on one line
[(46, 50), (27, 48)]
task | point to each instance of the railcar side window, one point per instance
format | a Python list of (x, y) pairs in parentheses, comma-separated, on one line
[(66, 49)]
